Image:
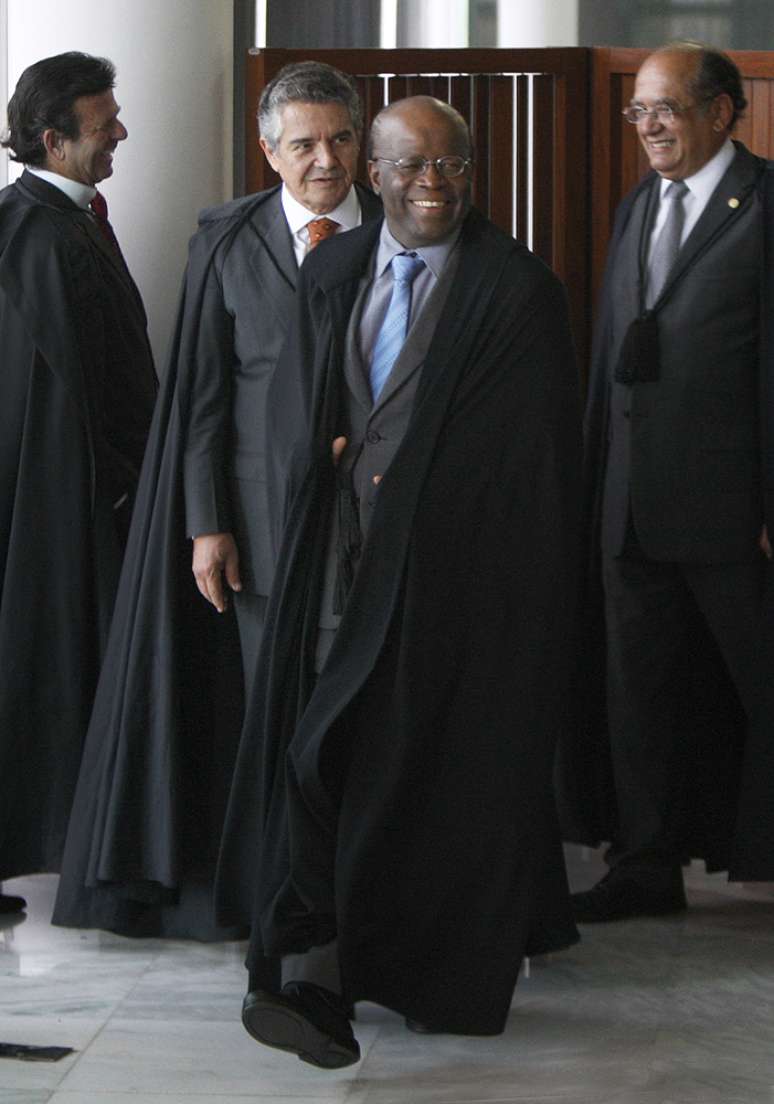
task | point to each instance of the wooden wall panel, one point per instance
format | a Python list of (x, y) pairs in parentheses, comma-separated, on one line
[(543, 159), (478, 121), (522, 173), (500, 198)]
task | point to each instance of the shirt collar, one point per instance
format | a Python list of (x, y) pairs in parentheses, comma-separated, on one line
[(80, 194), (435, 256), (347, 214), (704, 182)]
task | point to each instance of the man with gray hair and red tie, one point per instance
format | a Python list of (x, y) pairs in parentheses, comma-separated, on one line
[(202, 505)]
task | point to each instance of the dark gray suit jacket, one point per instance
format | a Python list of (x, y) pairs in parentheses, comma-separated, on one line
[(374, 430), (683, 450), (243, 264)]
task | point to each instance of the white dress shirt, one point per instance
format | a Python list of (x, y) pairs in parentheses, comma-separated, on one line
[(80, 194)]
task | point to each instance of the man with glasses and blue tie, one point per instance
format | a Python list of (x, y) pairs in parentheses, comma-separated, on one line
[(424, 462), (675, 462)]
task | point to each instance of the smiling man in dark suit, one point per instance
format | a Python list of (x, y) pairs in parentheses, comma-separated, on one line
[(414, 675), (78, 387), (675, 460)]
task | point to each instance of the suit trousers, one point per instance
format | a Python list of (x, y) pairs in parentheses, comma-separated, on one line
[(655, 613), (319, 965), (250, 612)]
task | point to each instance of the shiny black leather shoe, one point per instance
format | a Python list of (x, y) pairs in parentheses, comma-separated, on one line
[(619, 896), (9, 904), (305, 1020)]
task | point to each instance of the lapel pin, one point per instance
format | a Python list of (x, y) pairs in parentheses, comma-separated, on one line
[(733, 202)]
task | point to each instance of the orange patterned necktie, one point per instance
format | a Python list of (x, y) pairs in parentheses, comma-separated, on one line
[(321, 229)]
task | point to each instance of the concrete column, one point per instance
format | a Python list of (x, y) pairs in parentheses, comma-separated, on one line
[(526, 23), (431, 23), (174, 61)]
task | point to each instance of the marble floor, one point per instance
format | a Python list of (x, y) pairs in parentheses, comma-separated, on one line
[(671, 1011)]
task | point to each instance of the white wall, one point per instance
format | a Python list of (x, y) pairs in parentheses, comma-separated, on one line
[(175, 63)]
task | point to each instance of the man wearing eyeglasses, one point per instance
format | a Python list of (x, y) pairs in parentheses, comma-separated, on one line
[(417, 655), (674, 455)]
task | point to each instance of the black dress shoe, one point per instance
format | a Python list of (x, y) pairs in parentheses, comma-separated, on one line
[(9, 903), (420, 1028), (620, 895), (303, 1019)]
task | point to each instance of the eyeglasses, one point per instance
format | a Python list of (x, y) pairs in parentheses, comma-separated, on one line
[(417, 166), (663, 113)]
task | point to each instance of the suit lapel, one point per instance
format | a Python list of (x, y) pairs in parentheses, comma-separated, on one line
[(643, 218), (727, 202), (409, 361), (631, 248), (88, 226), (272, 254), (355, 369)]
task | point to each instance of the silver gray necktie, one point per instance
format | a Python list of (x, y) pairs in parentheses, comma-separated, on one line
[(667, 244)]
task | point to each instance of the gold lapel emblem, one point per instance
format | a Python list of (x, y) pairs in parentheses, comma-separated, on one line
[(733, 202)]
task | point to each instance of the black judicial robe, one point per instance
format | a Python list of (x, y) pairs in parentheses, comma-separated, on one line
[(729, 765), (148, 812), (149, 808), (752, 855), (403, 803), (77, 387)]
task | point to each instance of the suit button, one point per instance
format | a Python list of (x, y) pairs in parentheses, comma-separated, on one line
[(627, 413), (373, 437)]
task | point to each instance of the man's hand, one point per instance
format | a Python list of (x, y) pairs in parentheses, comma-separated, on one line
[(764, 544), (339, 444), (213, 555)]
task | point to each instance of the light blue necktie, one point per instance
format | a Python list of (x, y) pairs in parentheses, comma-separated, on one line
[(391, 336)]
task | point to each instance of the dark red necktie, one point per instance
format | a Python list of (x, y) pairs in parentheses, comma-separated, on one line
[(100, 210)]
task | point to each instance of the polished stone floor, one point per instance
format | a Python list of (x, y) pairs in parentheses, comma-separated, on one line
[(670, 1011)]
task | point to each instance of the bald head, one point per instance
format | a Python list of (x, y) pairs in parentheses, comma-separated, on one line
[(420, 163), (422, 111)]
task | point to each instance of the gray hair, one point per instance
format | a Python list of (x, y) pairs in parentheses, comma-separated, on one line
[(715, 75), (306, 82)]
